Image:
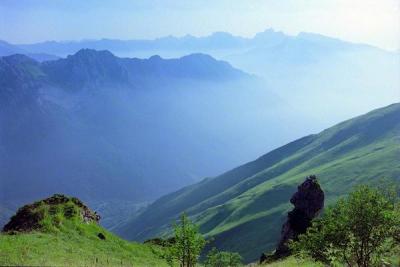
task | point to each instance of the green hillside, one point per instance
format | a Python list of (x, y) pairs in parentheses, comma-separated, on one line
[(61, 231), (243, 209)]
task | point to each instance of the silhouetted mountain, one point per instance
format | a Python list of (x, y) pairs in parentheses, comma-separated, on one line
[(87, 68), (99, 68)]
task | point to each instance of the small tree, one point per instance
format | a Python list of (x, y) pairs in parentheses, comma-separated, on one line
[(358, 230), (188, 243), (217, 258)]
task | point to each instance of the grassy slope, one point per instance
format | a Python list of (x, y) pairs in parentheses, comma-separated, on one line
[(243, 209), (293, 262), (40, 249), (68, 241)]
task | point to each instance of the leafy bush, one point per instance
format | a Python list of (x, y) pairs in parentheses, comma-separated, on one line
[(359, 230), (188, 243), (160, 241), (217, 258)]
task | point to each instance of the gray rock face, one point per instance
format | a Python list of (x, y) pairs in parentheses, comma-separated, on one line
[(308, 202)]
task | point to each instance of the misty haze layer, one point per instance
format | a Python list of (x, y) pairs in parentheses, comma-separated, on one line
[(121, 130), (105, 128)]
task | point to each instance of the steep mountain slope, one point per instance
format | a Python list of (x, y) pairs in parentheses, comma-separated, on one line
[(243, 209), (62, 231), (110, 129)]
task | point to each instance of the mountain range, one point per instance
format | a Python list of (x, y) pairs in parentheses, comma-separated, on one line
[(120, 130), (319, 67), (169, 46), (308, 68), (243, 209)]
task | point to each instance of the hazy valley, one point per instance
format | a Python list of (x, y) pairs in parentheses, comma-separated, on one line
[(221, 127)]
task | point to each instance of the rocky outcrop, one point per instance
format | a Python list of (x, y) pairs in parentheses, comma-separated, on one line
[(26, 220), (30, 217), (308, 202)]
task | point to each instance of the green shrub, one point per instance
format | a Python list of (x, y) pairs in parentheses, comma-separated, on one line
[(188, 244), (217, 258), (359, 230)]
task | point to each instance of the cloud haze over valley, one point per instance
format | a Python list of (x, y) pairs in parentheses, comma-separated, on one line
[(104, 127)]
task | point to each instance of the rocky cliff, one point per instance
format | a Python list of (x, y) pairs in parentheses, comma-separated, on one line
[(308, 201)]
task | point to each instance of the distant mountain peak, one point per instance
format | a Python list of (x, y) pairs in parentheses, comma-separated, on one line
[(222, 34), (189, 37), (2, 42), (87, 52), (316, 37), (90, 68), (270, 35), (155, 58), (202, 56), (19, 58), (9, 49), (211, 67), (270, 31)]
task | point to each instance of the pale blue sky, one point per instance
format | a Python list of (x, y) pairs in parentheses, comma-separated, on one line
[(376, 22)]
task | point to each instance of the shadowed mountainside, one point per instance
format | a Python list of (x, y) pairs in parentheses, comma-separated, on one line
[(244, 208)]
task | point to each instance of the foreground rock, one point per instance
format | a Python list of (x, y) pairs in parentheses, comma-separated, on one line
[(31, 217), (308, 202)]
